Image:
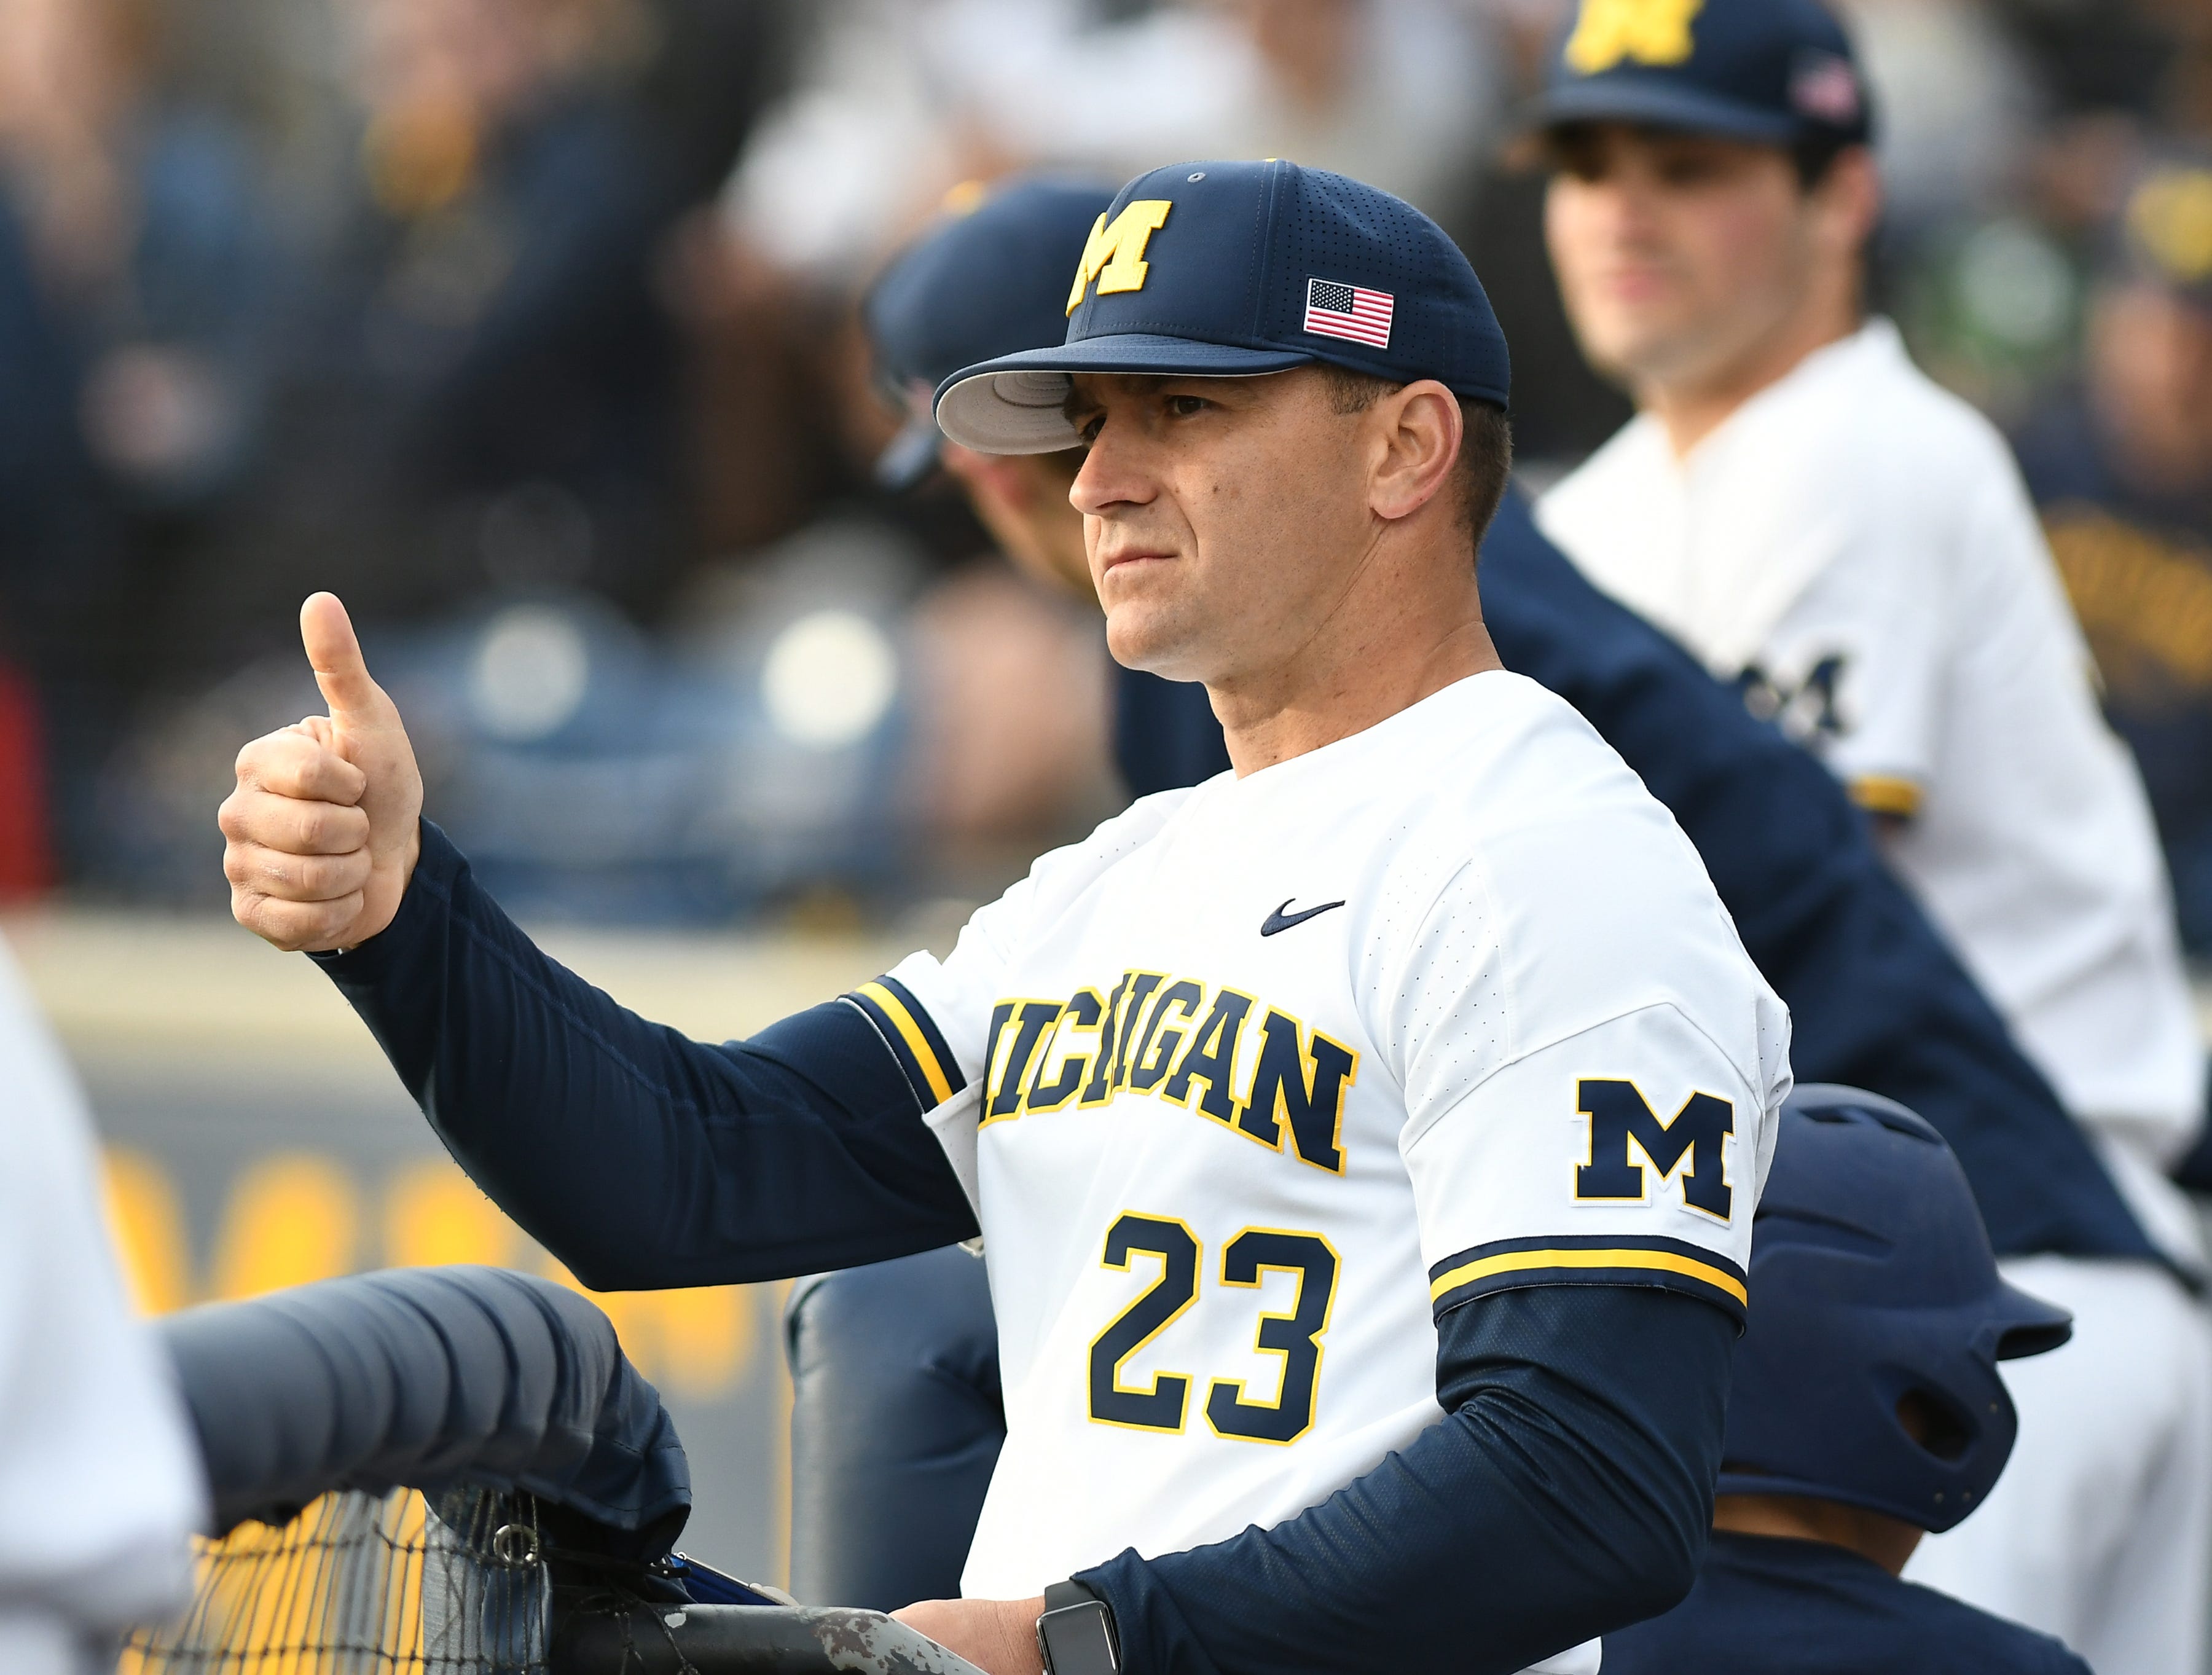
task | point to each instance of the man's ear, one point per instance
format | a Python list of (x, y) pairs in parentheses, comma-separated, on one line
[(1848, 202), (1417, 432)]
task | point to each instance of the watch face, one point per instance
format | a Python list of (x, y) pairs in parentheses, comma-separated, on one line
[(1078, 1639)]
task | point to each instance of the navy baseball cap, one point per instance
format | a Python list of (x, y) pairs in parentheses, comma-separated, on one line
[(986, 279), (1231, 269), (1775, 71), (2165, 231)]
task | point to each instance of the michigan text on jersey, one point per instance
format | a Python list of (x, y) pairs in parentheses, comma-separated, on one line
[(1182, 1040)]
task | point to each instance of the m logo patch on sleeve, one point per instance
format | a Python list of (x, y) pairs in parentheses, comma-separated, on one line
[(1114, 254), (1623, 1127), (1649, 32)]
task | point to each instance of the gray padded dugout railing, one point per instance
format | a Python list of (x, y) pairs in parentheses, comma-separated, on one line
[(456, 1472)]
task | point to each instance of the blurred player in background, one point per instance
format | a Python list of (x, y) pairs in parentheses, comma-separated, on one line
[(99, 1477), (1852, 545), (896, 1364), (985, 281), (2121, 470), (1866, 1409)]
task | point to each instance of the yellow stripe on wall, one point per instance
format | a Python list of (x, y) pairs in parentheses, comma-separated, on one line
[(903, 1021), (1518, 1261)]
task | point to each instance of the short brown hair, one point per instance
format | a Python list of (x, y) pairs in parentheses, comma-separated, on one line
[(1486, 448)]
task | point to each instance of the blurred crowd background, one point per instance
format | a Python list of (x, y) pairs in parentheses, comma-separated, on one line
[(528, 326)]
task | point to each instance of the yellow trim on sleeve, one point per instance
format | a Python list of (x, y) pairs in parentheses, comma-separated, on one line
[(1519, 1260), (895, 1010), (1887, 793)]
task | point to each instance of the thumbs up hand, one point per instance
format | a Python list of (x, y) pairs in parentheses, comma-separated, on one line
[(322, 834)]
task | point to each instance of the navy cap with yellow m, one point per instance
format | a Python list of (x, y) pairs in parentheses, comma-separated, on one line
[(1235, 270), (1776, 72), (2164, 228)]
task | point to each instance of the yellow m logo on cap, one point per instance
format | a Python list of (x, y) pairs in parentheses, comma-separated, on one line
[(1651, 31), (1115, 255)]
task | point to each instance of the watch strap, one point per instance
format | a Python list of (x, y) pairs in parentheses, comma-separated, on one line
[(1076, 1632)]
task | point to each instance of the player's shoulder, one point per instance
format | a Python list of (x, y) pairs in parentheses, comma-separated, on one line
[(1057, 877), (1763, 1604), (1624, 470), (1489, 755), (1864, 463), (1117, 837), (1870, 422), (1969, 1637), (1489, 720), (1515, 809), (1534, 893), (1516, 758)]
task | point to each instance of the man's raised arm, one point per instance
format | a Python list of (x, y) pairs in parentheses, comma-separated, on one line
[(638, 1156)]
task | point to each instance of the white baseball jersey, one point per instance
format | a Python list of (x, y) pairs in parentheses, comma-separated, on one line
[(1855, 546), (100, 1481), (1261, 1077)]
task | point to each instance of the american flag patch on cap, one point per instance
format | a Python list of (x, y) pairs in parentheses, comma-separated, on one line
[(1824, 87), (1348, 311)]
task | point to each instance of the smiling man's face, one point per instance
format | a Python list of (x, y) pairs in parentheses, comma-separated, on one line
[(1225, 518)]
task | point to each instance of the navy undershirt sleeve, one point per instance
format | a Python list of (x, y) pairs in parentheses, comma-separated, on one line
[(1566, 1492), (640, 1157)]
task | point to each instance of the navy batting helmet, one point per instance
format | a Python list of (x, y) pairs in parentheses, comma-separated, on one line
[(988, 278), (1867, 1373)]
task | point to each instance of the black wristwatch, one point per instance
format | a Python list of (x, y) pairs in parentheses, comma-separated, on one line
[(1075, 1635)]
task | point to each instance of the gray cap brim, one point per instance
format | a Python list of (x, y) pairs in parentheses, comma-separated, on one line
[(1012, 404)]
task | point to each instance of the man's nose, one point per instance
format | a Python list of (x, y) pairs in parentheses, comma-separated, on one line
[(1113, 475), (1628, 200)]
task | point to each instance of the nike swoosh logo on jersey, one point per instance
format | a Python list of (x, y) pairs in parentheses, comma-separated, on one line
[(1279, 920)]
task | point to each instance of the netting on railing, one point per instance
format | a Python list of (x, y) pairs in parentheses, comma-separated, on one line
[(365, 1585)]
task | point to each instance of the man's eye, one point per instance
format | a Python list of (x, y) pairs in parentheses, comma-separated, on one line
[(1182, 407), (1086, 430)]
